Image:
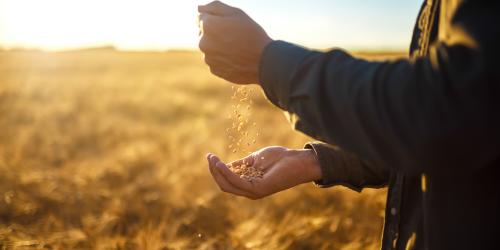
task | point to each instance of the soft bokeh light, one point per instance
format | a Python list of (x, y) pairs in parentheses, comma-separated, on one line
[(60, 24), (163, 24)]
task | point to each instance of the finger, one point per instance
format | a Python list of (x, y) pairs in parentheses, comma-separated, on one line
[(206, 45), (210, 24), (225, 186), (251, 187), (232, 178), (217, 61), (213, 52), (220, 68), (247, 160), (232, 74), (216, 8)]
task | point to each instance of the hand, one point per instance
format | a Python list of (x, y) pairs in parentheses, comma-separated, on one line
[(232, 42), (283, 168)]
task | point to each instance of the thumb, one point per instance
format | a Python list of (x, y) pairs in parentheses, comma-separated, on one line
[(216, 8)]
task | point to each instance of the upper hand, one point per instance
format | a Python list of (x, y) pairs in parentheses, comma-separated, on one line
[(232, 43), (283, 168)]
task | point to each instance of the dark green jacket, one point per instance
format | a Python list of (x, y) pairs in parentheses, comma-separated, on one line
[(427, 126)]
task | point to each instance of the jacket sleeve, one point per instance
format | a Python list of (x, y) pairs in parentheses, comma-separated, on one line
[(339, 167), (430, 114)]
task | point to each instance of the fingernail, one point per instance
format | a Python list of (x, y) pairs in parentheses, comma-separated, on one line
[(220, 164), (215, 158)]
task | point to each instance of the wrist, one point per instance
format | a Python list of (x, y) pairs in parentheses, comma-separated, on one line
[(262, 48), (262, 58), (311, 165)]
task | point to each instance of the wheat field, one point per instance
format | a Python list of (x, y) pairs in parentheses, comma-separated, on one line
[(102, 149)]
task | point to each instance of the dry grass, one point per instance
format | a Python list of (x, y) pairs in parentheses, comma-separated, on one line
[(106, 150)]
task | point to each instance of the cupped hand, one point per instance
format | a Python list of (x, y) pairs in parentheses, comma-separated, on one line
[(232, 43), (283, 168)]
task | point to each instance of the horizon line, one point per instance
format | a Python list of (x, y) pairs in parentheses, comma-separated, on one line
[(108, 47)]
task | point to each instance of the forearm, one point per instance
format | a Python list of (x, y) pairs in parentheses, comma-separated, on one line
[(423, 114)]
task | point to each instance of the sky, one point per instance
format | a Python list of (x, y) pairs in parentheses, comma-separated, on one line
[(169, 24)]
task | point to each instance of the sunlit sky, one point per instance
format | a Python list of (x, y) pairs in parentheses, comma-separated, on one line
[(167, 24)]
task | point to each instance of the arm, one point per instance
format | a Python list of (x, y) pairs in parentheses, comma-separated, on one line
[(342, 168), (285, 168), (431, 114), (426, 114)]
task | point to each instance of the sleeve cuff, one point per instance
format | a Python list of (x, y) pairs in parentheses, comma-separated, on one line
[(278, 62), (325, 165), (333, 168)]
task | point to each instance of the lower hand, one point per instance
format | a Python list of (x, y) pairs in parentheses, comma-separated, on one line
[(283, 168), (232, 43)]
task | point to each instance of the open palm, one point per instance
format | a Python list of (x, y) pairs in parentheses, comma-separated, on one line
[(283, 168)]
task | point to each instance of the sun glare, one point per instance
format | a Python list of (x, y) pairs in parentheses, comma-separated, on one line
[(164, 24), (60, 24)]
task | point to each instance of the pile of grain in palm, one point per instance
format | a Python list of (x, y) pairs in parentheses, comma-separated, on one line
[(247, 172)]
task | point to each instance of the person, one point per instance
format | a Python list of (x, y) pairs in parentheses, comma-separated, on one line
[(428, 126)]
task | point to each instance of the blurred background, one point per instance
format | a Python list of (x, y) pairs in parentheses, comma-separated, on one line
[(107, 112)]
